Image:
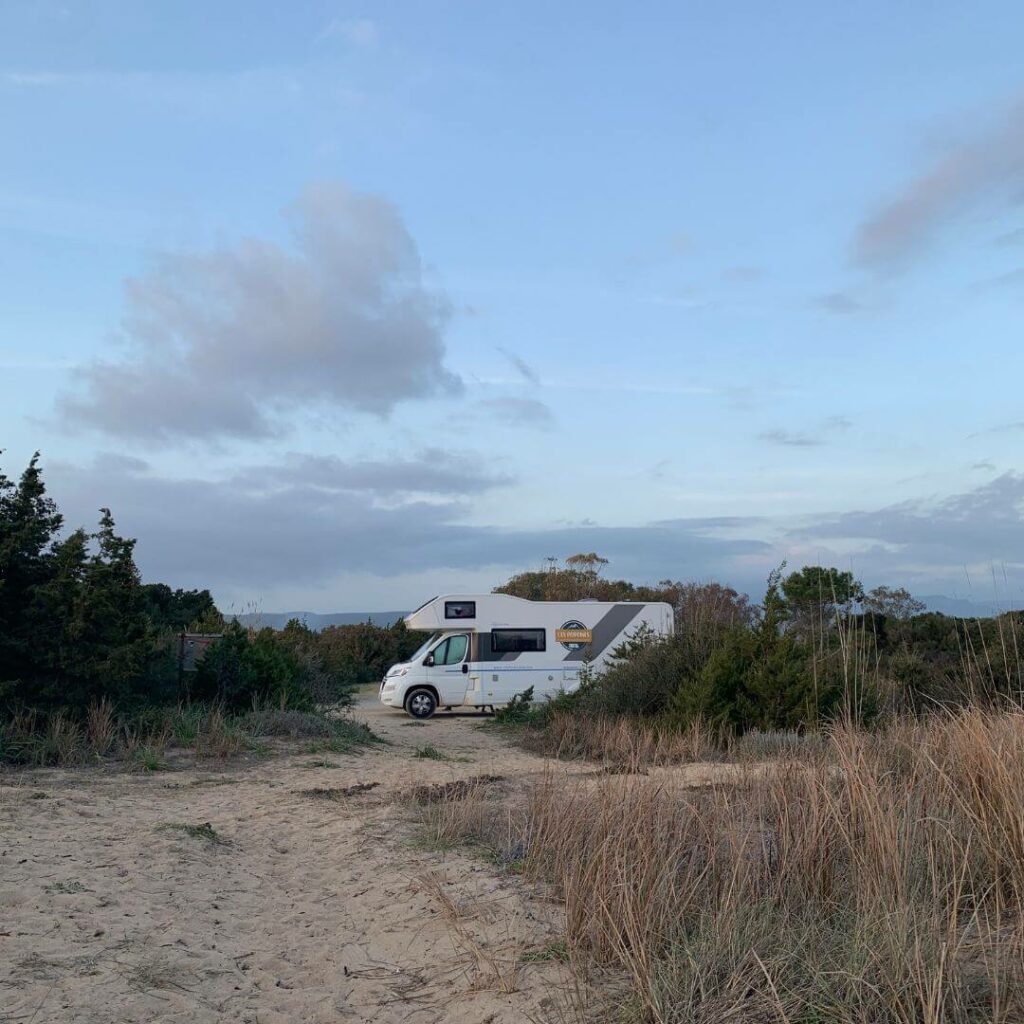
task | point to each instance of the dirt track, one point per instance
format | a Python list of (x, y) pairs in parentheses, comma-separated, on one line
[(312, 910)]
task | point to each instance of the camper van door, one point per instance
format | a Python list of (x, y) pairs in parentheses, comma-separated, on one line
[(446, 672)]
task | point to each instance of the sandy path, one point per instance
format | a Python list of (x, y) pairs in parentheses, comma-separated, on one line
[(313, 911)]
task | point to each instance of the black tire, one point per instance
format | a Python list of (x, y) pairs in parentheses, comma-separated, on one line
[(420, 703)]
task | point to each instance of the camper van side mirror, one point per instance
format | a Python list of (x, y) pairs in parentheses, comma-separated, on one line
[(428, 660), (465, 668)]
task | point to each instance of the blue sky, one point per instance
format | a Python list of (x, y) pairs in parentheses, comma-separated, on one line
[(339, 305)]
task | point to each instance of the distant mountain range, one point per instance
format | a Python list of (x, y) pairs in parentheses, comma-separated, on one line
[(276, 620), (935, 603)]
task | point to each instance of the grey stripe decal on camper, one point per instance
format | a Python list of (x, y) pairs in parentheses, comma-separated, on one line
[(613, 623)]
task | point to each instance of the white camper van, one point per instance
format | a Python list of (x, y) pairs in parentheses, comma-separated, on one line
[(484, 649)]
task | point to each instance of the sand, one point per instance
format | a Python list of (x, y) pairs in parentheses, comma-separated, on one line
[(310, 910)]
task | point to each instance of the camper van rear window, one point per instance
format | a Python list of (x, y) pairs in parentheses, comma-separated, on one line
[(506, 640), (460, 609)]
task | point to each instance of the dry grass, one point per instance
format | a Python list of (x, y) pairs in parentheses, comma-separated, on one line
[(494, 966), (630, 745), (626, 742), (101, 726), (884, 882), (218, 736), (29, 738)]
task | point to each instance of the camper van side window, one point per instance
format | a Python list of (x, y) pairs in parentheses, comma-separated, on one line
[(505, 640), (460, 609), (451, 651)]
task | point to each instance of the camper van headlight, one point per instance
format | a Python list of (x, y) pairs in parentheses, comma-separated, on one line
[(404, 671)]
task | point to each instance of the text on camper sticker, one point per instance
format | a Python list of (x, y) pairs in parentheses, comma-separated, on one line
[(574, 636)]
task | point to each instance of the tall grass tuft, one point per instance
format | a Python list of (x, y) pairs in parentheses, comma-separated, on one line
[(30, 738), (630, 743), (883, 882), (101, 727)]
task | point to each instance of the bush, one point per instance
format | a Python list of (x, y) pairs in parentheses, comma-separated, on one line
[(643, 683), (749, 683), (79, 629), (241, 671), (362, 652), (517, 710)]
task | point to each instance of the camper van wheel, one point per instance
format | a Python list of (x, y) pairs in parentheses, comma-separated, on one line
[(421, 703)]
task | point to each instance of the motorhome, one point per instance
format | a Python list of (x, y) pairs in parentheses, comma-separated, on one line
[(484, 649)]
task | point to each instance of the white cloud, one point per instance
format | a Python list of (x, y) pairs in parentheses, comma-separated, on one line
[(986, 167), (231, 341)]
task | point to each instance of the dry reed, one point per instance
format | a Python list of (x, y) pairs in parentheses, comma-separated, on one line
[(884, 882), (622, 741)]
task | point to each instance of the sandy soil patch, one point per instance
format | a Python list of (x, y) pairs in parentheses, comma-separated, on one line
[(291, 889)]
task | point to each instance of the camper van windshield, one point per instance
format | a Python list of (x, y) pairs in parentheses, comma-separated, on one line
[(422, 649)]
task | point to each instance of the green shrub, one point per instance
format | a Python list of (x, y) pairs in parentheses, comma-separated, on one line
[(517, 710), (645, 682), (150, 760), (240, 670), (756, 681), (430, 753), (362, 652), (204, 831), (187, 724)]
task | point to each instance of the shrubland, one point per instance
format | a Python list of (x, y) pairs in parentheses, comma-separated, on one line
[(854, 850), (89, 654), (816, 651)]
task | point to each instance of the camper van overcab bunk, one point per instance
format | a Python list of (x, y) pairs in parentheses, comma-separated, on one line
[(484, 649)]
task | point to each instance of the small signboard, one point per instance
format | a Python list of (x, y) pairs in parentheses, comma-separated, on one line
[(192, 647)]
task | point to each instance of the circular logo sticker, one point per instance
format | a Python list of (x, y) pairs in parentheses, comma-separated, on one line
[(573, 635)]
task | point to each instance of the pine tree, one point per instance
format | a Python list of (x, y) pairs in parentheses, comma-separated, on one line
[(29, 524), (114, 637), (57, 611)]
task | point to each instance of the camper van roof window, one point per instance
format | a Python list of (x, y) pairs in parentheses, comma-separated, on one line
[(424, 605), (460, 609), (508, 640)]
